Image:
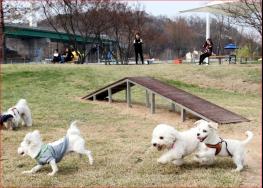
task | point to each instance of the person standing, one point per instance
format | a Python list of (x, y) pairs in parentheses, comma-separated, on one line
[(207, 50), (138, 48)]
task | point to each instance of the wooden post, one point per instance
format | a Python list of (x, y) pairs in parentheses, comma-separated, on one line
[(94, 97), (173, 107), (183, 114), (109, 95), (152, 103), (128, 93), (147, 98)]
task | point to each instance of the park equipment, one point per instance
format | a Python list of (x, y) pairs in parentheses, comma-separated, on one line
[(186, 102)]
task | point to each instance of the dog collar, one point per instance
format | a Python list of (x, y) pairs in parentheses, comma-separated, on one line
[(13, 109)]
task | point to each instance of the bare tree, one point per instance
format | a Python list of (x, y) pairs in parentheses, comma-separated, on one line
[(247, 13), (87, 19), (1, 33), (125, 21)]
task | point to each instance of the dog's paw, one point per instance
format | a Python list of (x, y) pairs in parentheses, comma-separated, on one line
[(91, 161), (51, 173), (197, 155), (161, 161), (27, 172), (236, 170), (196, 159)]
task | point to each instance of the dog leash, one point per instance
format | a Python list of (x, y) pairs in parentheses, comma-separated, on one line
[(218, 147)]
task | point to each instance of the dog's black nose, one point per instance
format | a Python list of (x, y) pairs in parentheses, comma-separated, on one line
[(198, 134), (154, 144)]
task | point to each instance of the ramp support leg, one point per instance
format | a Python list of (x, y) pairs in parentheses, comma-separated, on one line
[(173, 107), (94, 97), (147, 99), (109, 95), (152, 103), (128, 94), (183, 114)]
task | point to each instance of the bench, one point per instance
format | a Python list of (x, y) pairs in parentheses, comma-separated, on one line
[(227, 57)]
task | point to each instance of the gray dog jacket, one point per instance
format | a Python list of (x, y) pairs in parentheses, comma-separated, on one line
[(48, 153)]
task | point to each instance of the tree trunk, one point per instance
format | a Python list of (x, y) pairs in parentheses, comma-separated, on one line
[(2, 47)]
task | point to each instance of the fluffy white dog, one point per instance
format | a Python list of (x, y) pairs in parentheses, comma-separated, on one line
[(14, 115), (179, 144), (52, 153), (218, 146)]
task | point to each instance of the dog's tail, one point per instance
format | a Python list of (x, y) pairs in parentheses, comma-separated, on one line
[(73, 129), (249, 137), (22, 101)]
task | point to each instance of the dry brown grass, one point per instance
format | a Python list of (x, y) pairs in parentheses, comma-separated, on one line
[(119, 136)]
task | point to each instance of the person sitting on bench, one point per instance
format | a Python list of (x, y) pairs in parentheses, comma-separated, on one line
[(207, 50)]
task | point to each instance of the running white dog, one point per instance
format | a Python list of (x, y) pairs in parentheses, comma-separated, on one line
[(52, 153), (217, 146), (16, 114), (179, 144)]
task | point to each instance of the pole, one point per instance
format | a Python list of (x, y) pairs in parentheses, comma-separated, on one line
[(207, 31)]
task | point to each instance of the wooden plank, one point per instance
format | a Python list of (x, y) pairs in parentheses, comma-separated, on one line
[(187, 102), (177, 104), (104, 89)]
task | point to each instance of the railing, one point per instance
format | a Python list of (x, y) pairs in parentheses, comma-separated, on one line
[(16, 60)]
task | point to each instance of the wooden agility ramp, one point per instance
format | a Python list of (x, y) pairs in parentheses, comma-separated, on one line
[(187, 102)]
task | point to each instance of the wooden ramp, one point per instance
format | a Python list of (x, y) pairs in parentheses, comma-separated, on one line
[(185, 101)]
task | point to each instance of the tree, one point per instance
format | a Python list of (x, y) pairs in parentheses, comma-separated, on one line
[(87, 19), (1, 33), (246, 13), (125, 22)]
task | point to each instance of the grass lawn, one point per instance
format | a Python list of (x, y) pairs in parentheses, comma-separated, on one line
[(119, 137)]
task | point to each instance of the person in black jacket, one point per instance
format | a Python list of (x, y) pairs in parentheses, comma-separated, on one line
[(207, 50), (138, 48), (56, 57), (69, 55)]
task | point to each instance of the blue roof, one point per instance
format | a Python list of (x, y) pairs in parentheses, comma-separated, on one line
[(230, 46)]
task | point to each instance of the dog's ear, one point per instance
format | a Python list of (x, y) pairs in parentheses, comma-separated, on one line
[(198, 122), (36, 132), (5, 118), (213, 125)]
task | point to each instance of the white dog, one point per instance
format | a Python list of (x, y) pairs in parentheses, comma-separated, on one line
[(52, 153), (16, 114), (179, 144), (217, 146)]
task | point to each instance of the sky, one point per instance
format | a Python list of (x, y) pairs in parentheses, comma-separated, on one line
[(170, 8)]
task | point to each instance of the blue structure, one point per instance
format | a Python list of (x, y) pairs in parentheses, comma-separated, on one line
[(231, 46), (232, 57)]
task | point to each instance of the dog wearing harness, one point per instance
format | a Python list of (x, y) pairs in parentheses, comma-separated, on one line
[(178, 143), (16, 114), (216, 146)]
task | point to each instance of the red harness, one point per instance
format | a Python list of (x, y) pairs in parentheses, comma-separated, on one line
[(218, 147)]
